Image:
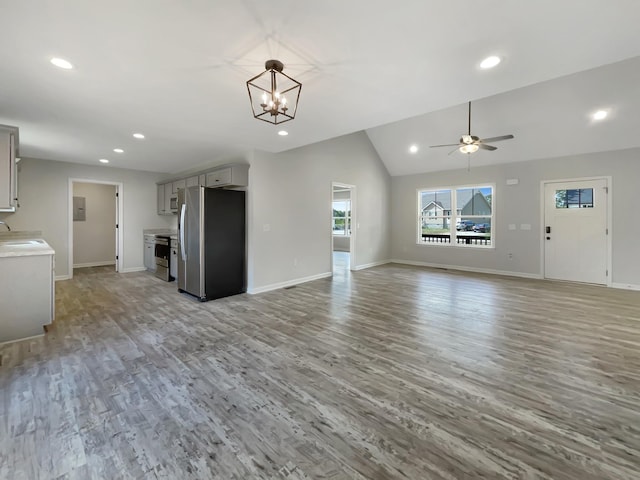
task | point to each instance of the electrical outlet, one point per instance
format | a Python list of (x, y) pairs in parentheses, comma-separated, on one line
[(510, 256)]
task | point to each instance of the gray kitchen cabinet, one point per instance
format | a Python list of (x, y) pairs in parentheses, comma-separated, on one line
[(173, 261), (168, 192), (8, 168), (233, 176), (161, 200), (193, 181), (178, 184), (150, 252), (28, 288)]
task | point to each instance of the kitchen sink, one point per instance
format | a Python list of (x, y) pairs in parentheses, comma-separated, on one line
[(21, 243)]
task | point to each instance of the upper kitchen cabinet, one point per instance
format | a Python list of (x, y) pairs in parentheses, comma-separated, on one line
[(161, 200), (165, 197), (8, 168), (232, 176), (196, 181), (178, 184)]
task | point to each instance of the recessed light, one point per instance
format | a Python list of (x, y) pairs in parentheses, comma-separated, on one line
[(490, 62), (62, 63), (103, 160), (138, 135), (118, 150), (413, 148), (600, 115), (283, 133)]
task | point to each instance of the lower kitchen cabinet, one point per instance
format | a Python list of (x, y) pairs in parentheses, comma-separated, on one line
[(150, 252), (173, 260), (27, 302)]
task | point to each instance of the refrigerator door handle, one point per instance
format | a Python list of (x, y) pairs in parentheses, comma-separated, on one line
[(183, 213)]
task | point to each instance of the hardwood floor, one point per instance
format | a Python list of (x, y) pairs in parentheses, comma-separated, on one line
[(393, 372)]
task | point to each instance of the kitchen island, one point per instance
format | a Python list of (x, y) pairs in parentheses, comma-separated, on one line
[(26, 285)]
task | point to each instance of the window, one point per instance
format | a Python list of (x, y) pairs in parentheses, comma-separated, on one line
[(460, 216), (578, 198), (342, 217)]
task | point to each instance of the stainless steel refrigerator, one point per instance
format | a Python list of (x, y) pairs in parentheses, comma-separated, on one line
[(211, 242)]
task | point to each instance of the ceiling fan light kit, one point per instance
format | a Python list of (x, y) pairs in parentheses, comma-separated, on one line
[(470, 143), (470, 148), (274, 95)]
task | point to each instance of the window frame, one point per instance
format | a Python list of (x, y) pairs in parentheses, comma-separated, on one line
[(346, 218), (454, 216)]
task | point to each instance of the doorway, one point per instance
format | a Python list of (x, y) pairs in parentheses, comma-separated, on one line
[(576, 231), (94, 227), (343, 232)]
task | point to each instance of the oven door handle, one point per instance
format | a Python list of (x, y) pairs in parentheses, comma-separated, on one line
[(183, 214)]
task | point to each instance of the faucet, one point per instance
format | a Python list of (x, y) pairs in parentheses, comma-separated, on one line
[(5, 224)]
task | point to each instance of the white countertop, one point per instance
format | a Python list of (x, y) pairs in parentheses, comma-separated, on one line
[(24, 247)]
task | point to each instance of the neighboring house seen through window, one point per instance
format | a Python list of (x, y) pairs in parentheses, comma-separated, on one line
[(460, 216), (342, 217)]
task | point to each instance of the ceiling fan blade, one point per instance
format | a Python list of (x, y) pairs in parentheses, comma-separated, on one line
[(484, 146), (454, 150), (445, 145), (497, 139)]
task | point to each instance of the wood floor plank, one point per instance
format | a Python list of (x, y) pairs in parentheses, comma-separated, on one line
[(390, 372)]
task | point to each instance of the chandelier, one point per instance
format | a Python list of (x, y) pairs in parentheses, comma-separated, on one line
[(274, 95)]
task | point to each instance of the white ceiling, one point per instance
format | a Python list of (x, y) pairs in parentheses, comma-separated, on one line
[(176, 71)]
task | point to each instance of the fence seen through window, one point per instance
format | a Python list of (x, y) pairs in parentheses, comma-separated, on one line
[(461, 216)]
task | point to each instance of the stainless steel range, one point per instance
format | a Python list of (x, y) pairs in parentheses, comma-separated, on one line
[(163, 255)]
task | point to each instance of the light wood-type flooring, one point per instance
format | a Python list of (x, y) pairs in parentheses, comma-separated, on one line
[(393, 372)]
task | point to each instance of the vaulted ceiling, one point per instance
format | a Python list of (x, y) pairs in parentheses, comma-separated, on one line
[(176, 71)]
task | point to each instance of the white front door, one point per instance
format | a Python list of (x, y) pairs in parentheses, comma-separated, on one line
[(575, 231)]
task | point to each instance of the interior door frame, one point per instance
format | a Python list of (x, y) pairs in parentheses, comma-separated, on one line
[(609, 181), (354, 224), (119, 215)]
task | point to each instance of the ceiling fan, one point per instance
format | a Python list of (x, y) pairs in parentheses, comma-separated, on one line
[(470, 143)]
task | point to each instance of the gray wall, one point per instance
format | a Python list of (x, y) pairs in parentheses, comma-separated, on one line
[(290, 209), (44, 205), (94, 239), (520, 204)]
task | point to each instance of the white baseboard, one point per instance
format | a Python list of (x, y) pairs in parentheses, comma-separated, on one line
[(93, 264), (369, 265), (133, 269), (625, 286), (22, 339), (62, 277), (490, 271), (288, 283)]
